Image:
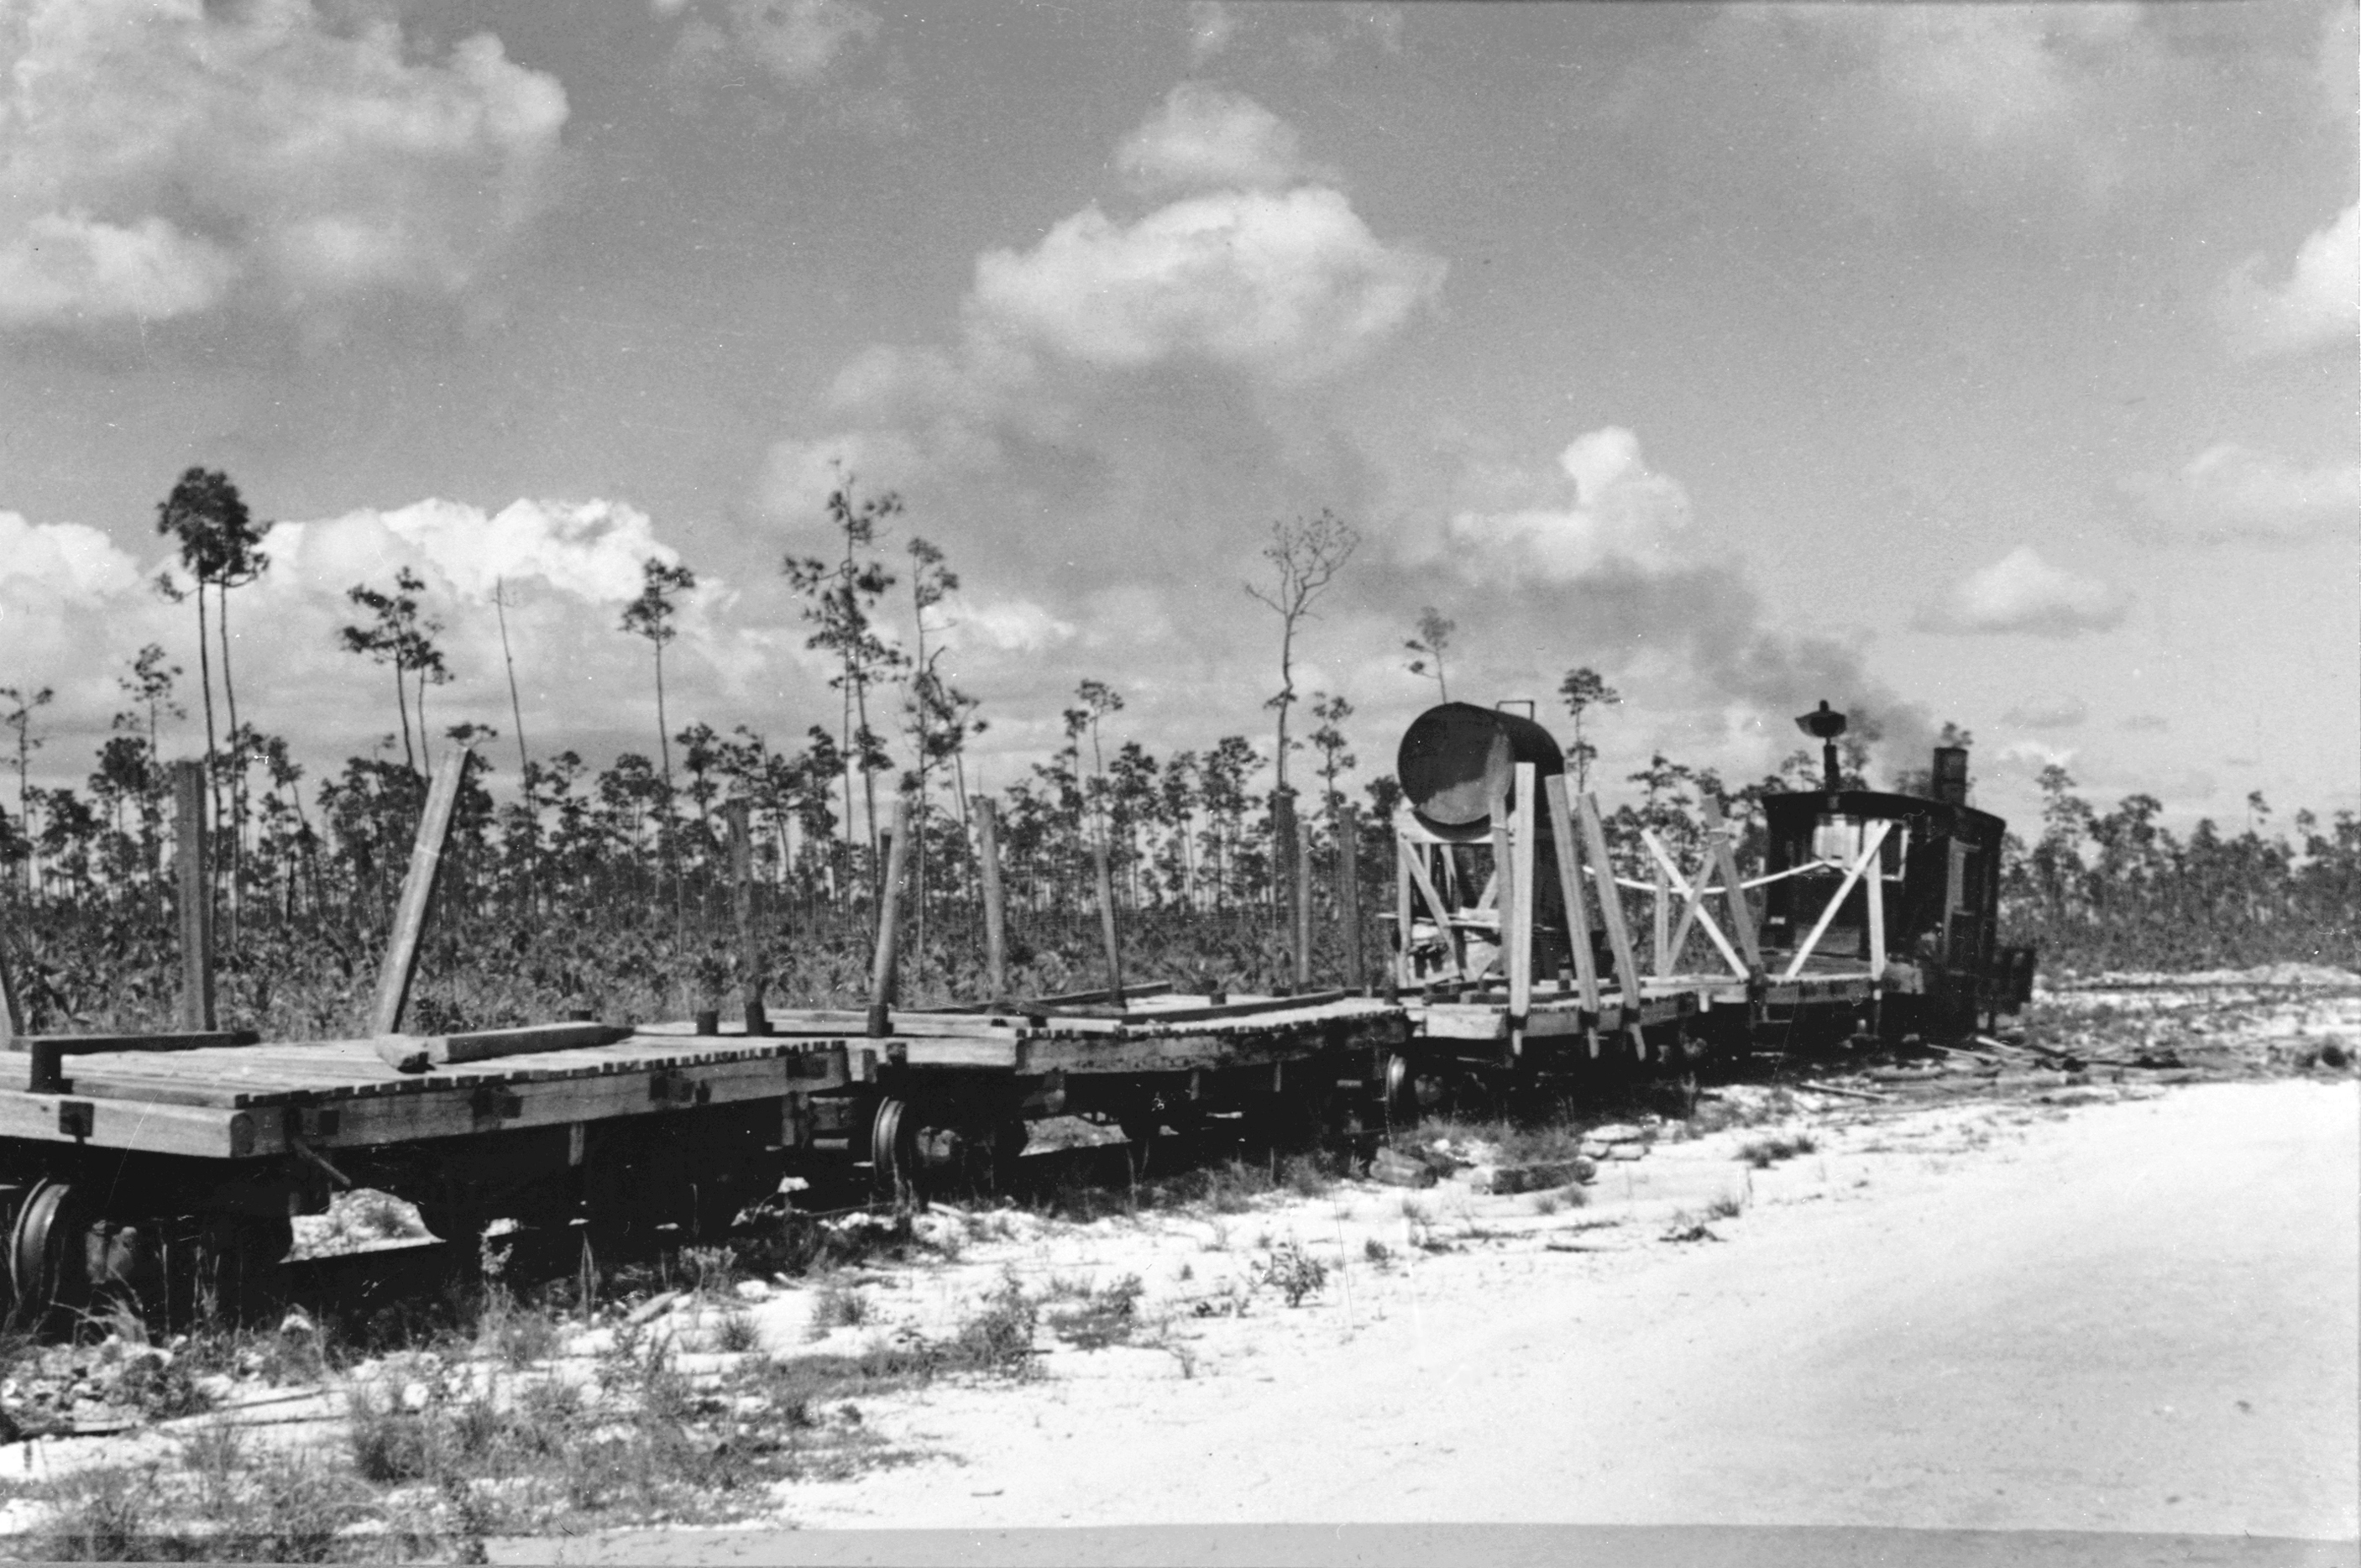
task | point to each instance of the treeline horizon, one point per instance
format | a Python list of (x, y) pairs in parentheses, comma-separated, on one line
[(609, 888)]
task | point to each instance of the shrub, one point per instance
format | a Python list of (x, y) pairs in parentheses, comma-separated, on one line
[(1292, 1272)]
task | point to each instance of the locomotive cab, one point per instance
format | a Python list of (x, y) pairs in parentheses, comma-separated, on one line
[(1938, 882)]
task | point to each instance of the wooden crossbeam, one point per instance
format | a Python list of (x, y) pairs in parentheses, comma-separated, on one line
[(1875, 841), (1693, 891)]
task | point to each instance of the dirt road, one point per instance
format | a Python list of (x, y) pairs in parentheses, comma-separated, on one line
[(2136, 1317)]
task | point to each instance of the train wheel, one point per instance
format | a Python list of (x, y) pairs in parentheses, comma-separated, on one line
[(894, 1153), (46, 1257)]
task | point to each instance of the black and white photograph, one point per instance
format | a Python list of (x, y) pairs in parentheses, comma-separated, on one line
[(1195, 782)]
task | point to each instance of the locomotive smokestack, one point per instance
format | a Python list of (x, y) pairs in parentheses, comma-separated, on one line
[(1825, 724), (1455, 759)]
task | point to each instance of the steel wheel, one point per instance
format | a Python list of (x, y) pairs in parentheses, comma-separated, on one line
[(46, 1264), (893, 1152)]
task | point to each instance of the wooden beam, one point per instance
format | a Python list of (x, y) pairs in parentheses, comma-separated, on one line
[(45, 1074), (1110, 928), (1742, 913), (996, 911), (12, 1011), (1868, 857), (1303, 922), (1611, 899), (195, 878), (393, 976), (1693, 891), (422, 1053), (1348, 894), (1876, 888), (884, 958), (1404, 971), (1517, 918), (1569, 882), (1660, 917), (737, 814), (1500, 893)]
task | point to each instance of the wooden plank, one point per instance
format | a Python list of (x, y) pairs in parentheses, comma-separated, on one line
[(1610, 903), (995, 910), (12, 1010), (1517, 919), (1742, 914), (117, 1124), (1868, 857), (416, 1053), (452, 1113), (885, 960), (400, 963), (1876, 888), (1569, 883), (1007, 1053), (1083, 998), (196, 895), (1404, 966), (1660, 910)]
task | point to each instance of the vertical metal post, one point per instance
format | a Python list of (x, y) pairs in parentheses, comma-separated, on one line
[(882, 969), (400, 963), (995, 909), (188, 858), (1108, 931)]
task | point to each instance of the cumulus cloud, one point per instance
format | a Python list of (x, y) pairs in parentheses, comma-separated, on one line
[(2318, 305), (792, 41), (161, 153), (1621, 517), (1207, 138), (2022, 593), (1290, 284), (2234, 493), (567, 567), (2051, 711)]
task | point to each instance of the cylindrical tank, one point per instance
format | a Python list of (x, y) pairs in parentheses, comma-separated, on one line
[(1457, 757)]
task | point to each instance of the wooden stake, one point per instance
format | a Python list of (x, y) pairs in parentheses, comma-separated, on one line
[(1500, 893), (1517, 914), (188, 846), (394, 974), (1610, 910), (882, 969), (1569, 883), (1661, 927), (995, 911), (1302, 905), (1404, 965), (1348, 894), (12, 1011), (1742, 914), (741, 907), (1107, 929)]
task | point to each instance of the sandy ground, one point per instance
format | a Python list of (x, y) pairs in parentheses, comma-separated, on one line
[(2136, 1316)]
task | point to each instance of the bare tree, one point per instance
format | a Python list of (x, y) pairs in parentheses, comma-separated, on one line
[(1306, 554), (1433, 637), (650, 616)]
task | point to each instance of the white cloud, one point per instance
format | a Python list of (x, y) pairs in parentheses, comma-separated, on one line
[(2051, 711), (1621, 517), (67, 561), (591, 551), (2022, 593), (793, 42), (1010, 625), (160, 154), (1206, 138), (2234, 493), (2318, 306), (1290, 284)]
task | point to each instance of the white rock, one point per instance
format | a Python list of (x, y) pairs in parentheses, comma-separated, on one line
[(752, 1290), (414, 1395)]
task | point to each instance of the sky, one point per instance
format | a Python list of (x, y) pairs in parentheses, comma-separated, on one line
[(1984, 363)]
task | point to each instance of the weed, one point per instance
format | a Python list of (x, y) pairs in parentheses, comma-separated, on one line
[(1306, 1177), (838, 1306), (1377, 1252), (1103, 1317), (1547, 1203), (999, 1336), (1292, 1272), (160, 1387), (98, 1515), (1729, 1206), (1764, 1153), (738, 1332)]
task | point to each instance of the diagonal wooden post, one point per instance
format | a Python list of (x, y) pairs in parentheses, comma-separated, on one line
[(1869, 854), (393, 976), (1610, 910), (195, 876), (1517, 918), (1742, 914), (883, 965), (1569, 883), (995, 908)]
